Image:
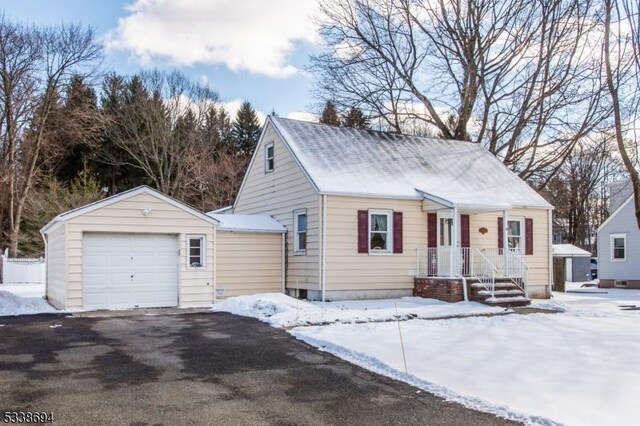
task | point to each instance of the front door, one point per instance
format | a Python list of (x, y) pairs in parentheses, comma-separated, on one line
[(445, 228)]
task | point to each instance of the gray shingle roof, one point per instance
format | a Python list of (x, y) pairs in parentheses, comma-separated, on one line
[(363, 162)]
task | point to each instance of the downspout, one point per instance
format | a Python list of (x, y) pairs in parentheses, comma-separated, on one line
[(215, 264), (464, 288), (550, 252), (46, 265), (324, 247), (282, 262)]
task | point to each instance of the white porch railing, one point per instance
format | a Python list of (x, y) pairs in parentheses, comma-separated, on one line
[(485, 265)]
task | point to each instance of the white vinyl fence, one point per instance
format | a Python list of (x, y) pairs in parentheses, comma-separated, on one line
[(22, 270)]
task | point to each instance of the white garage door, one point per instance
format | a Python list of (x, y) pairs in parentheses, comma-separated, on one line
[(130, 271)]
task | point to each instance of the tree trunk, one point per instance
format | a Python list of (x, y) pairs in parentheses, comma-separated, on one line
[(615, 100)]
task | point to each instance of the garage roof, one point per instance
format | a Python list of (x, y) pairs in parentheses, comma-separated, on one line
[(569, 250), (63, 217), (247, 223)]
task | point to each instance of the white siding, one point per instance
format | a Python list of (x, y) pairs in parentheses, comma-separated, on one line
[(538, 263), (56, 258), (622, 223), (248, 263), (349, 270), (196, 285), (279, 193)]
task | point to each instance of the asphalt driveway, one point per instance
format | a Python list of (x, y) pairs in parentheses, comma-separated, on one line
[(197, 369)]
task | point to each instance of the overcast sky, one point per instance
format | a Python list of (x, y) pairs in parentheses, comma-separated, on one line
[(245, 49)]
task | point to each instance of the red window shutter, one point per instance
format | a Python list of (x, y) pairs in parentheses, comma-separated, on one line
[(397, 232), (528, 236), (363, 231), (432, 230), (500, 233), (465, 239)]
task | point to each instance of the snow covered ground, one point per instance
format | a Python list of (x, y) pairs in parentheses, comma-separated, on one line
[(284, 311), (578, 366), (23, 299)]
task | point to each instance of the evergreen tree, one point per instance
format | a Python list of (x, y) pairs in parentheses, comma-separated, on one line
[(330, 114), (355, 118), (246, 129), (118, 98), (76, 125), (217, 129)]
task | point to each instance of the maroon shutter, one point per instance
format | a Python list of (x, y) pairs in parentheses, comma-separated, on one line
[(465, 240), (528, 236), (363, 231), (500, 233), (432, 230), (397, 232)]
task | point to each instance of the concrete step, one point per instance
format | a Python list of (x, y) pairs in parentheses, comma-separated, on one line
[(502, 293), (499, 285), (507, 302)]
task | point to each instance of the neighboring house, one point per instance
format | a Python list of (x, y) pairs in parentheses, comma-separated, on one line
[(577, 262), (141, 248), (368, 212), (619, 241)]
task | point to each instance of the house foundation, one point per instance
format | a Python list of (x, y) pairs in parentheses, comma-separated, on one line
[(445, 289)]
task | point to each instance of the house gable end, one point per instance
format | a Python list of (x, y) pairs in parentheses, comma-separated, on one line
[(258, 183)]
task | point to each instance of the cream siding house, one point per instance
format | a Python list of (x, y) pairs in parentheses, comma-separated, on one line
[(430, 207), (142, 249)]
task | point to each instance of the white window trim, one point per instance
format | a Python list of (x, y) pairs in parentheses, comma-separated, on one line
[(203, 250), (389, 250), (296, 250), (611, 238), (267, 158), (523, 232)]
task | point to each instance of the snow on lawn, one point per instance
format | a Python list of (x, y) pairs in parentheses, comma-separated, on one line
[(23, 299), (577, 367), (283, 311)]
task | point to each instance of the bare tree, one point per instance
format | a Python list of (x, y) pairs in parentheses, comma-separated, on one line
[(621, 51), (578, 191), (519, 77), (35, 65), (158, 129), (214, 178)]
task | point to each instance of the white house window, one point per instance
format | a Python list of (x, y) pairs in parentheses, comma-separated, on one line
[(300, 231), (196, 245), (515, 234), (268, 158), (379, 231), (619, 247)]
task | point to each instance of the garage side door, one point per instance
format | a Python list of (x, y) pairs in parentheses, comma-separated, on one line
[(122, 271)]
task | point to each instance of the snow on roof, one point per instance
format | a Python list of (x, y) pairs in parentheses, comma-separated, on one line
[(225, 209), (247, 223), (569, 250), (56, 221), (365, 162)]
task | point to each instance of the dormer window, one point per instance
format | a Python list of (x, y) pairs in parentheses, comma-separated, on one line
[(268, 158)]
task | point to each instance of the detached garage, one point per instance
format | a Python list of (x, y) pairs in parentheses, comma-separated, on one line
[(142, 249)]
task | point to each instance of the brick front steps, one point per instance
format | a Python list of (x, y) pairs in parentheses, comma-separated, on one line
[(506, 294)]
